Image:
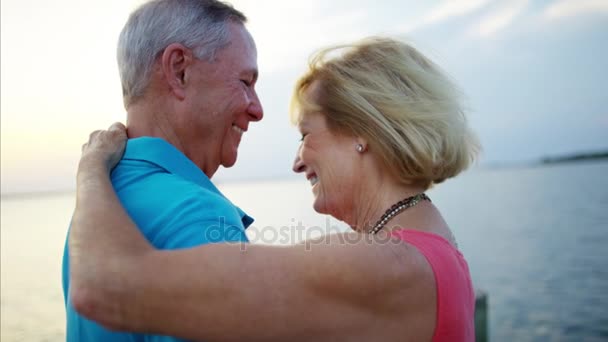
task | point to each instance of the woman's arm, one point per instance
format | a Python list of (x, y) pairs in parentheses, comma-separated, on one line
[(342, 285), (89, 243)]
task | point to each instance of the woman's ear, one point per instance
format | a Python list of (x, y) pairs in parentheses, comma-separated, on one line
[(175, 61)]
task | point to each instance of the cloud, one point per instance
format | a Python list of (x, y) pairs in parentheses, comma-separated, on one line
[(499, 19), (302, 26), (452, 8), (569, 8), (447, 9)]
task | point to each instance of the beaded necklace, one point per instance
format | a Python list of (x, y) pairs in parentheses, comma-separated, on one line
[(396, 209)]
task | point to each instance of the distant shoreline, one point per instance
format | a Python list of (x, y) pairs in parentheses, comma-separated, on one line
[(572, 158), (575, 157)]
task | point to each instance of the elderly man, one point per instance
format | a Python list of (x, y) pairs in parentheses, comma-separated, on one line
[(188, 70)]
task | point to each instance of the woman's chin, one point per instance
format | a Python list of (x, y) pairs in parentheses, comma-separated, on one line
[(319, 208), (322, 207)]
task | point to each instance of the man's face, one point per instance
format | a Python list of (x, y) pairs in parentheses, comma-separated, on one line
[(221, 103)]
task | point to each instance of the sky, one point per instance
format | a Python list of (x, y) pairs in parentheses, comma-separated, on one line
[(533, 73)]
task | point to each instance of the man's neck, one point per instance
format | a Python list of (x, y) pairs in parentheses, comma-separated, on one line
[(150, 120)]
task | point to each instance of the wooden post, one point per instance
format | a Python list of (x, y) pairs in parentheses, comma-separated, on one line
[(481, 316)]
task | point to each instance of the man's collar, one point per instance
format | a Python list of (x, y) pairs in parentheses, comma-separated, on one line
[(166, 156)]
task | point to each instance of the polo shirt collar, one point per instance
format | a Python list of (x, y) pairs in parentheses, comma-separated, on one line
[(166, 156)]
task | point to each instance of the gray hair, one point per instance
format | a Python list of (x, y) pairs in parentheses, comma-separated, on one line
[(201, 25)]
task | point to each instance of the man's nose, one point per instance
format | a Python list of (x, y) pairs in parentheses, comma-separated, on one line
[(255, 110)]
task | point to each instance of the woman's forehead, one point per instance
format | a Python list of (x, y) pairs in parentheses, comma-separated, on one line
[(310, 119)]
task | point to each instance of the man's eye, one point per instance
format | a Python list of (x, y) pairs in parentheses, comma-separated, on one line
[(246, 83)]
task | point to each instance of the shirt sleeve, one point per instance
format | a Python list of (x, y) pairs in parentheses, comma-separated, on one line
[(194, 219), (173, 213), (204, 232)]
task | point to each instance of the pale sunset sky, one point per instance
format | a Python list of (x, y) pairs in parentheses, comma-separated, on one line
[(534, 74)]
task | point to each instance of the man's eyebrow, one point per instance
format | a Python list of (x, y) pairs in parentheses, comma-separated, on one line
[(254, 73)]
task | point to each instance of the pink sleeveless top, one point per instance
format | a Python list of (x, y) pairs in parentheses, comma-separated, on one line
[(455, 295)]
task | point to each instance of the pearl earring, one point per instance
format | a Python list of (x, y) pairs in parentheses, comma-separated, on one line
[(359, 148)]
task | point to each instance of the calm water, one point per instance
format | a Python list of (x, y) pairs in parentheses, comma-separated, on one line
[(535, 239)]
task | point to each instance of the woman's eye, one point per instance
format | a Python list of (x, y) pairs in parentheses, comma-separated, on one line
[(303, 136)]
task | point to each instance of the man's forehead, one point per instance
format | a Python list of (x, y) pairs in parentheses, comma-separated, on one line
[(239, 32), (243, 49)]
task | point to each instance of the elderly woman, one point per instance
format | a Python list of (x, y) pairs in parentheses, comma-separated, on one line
[(380, 125)]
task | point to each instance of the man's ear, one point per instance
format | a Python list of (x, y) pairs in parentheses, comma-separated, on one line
[(174, 62)]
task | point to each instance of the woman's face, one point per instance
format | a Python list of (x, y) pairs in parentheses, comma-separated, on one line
[(329, 162)]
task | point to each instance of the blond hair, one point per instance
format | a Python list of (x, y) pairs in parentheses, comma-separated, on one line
[(387, 92)]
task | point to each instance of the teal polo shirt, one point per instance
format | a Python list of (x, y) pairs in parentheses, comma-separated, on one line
[(175, 206)]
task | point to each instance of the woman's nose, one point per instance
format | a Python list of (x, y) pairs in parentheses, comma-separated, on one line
[(298, 165)]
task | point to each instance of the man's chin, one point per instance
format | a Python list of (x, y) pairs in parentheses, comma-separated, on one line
[(229, 162)]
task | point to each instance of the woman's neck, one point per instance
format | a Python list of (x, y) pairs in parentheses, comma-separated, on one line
[(373, 204)]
